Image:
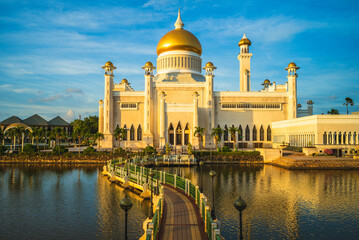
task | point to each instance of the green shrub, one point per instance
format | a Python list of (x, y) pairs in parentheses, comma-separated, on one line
[(59, 150), (225, 149), (89, 150), (2, 150), (119, 152), (29, 149), (150, 150)]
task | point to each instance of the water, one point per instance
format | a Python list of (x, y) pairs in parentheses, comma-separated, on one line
[(67, 202)]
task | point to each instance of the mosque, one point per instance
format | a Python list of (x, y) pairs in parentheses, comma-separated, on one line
[(179, 97)]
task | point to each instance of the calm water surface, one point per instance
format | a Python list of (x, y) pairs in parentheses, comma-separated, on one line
[(44, 202)]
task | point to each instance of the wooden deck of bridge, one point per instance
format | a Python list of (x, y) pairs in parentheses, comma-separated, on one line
[(181, 217)]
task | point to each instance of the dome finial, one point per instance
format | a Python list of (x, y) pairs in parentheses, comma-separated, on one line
[(179, 24)]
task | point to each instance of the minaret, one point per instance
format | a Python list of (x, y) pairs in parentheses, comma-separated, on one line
[(148, 136), (310, 107), (195, 141), (108, 106), (209, 82), (179, 23), (100, 118), (244, 58), (292, 90)]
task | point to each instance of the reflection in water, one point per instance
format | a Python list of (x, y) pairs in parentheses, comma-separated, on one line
[(68, 202)]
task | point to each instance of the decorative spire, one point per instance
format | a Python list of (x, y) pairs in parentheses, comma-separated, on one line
[(179, 23)]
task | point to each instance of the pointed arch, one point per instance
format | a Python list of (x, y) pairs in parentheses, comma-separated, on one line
[(254, 133), (139, 133), (261, 134), (248, 133), (349, 137), (132, 133), (186, 134), (340, 138), (325, 138), (179, 134), (240, 133), (171, 134), (330, 138), (269, 133), (344, 138), (225, 133), (125, 135)]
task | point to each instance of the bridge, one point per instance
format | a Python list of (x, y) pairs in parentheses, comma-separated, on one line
[(181, 210)]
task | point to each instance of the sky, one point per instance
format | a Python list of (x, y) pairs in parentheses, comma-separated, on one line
[(51, 52)]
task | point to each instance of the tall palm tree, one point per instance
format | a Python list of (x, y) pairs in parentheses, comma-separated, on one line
[(198, 132), (12, 135), (77, 133), (348, 101), (217, 135), (120, 133), (2, 136), (232, 131), (57, 132), (37, 134), (20, 131), (98, 137)]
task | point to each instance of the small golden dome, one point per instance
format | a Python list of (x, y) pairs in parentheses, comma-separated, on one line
[(109, 64), (292, 65), (299, 105), (209, 64), (124, 80), (244, 41), (310, 102), (266, 81), (148, 64), (100, 102)]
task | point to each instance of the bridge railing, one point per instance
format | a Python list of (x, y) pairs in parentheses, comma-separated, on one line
[(140, 175)]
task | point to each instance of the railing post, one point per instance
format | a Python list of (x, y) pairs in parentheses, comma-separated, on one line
[(164, 177), (175, 181), (214, 227), (150, 227), (189, 187), (160, 173), (217, 232), (186, 186), (206, 218), (197, 189)]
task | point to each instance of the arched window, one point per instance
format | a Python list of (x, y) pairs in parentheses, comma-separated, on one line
[(269, 133), (335, 138), (240, 133), (132, 133), (179, 134), (330, 138), (225, 133), (231, 134), (139, 133), (354, 138), (350, 138), (125, 135), (254, 133), (325, 138), (171, 135), (261, 134), (186, 134), (248, 133)]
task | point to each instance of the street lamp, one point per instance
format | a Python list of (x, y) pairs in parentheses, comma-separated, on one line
[(240, 205), (151, 208), (212, 174), (201, 166), (126, 205)]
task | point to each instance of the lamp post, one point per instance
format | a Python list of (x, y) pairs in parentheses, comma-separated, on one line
[(240, 205), (157, 189), (151, 208), (212, 174), (126, 205), (146, 169), (201, 186)]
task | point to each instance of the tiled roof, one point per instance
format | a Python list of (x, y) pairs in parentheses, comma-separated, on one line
[(58, 121), (11, 120), (35, 120)]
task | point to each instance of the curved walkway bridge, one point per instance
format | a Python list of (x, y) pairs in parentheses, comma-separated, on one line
[(180, 211)]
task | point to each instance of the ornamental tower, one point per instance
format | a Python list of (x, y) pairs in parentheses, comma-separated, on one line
[(244, 58), (292, 90), (108, 106), (148, 104)]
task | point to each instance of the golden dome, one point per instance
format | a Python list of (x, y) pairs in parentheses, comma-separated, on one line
[(148, 64), (292, 65), (310, 102), (110, 64), (209, 64), (124, 80), (266, 81), (244, 41), (179, 39)]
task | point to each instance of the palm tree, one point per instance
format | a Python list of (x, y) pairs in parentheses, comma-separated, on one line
[(2, 136), (232, 131), (348, 101), (37, 133), (217, 135), (77, 133), (98, 137), (57, 131), (20, 131), (12, 135), (198, 132), (120, 133), (333, 112)]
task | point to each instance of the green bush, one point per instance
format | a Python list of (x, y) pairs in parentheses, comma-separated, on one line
[(229, 156), (2, 150), (59, 150), (119, 152), (89, 150), (294, 149), (150, 150), (29, 149), (225, 149)]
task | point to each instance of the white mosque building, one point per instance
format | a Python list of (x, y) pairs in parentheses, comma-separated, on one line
[(179, 97)]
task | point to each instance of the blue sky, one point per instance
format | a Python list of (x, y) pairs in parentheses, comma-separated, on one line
[(52, 51)]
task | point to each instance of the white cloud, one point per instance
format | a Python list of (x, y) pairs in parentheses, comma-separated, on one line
[(69, 115)]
